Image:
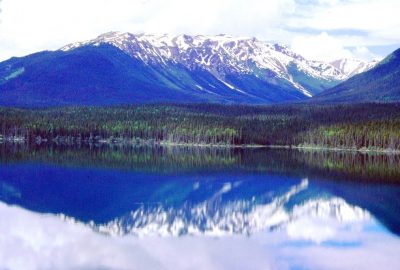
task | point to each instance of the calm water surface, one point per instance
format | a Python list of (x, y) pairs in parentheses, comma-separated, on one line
[(197, 208)]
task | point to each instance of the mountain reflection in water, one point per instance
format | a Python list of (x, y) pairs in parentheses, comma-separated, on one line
[(276, 203)]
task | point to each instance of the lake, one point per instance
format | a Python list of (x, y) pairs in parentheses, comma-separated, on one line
[(102, 207)]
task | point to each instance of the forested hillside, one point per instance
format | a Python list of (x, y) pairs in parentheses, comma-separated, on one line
[(369, 126), (380, 84), (122, 68)]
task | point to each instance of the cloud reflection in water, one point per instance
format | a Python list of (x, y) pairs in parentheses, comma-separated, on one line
[(319, 235), (208, 218)]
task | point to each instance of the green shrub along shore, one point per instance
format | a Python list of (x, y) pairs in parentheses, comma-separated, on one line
[(357, 126)]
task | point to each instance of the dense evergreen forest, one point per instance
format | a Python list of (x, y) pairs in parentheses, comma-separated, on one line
[(369, 126)]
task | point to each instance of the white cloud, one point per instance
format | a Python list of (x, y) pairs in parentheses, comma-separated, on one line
[(363, 52), (313, 229), (378, 19), (368, 15), (31, 241), (325, 47), (28, 26), (322, 47)]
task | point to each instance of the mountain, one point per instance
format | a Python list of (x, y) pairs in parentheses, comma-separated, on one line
[(85, 76), (232, 217), (225, 56), (379, 84), (123, 68), (350, 66)]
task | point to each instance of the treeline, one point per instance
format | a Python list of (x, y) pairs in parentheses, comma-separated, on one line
[(372, 135), (351, 126), (371, 167)]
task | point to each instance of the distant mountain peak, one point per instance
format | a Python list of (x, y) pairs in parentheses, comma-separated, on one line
[(379, 83), (223, 54), (139, 68), (352, 66)]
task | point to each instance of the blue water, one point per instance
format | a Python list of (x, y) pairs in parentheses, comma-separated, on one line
[(197, 209)]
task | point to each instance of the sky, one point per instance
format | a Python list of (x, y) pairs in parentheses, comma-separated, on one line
[(323, 30)]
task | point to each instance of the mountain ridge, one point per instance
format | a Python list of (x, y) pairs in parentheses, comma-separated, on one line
[(123, 68), (379, 84), (352, 66), (201, 51)]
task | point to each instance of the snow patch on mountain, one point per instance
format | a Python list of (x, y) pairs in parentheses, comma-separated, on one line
[(214, 218), (224, 55), (350, 66)]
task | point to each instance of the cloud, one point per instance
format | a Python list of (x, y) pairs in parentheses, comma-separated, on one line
[(315, 230), (363, 52), (46, 24), (208, 16), (378, 18), (353, 14), (325, 47), (29, 26), (33, 241), (321, 47)]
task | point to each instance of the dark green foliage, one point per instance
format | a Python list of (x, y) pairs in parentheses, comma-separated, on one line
[(369, 135), (372, 126)]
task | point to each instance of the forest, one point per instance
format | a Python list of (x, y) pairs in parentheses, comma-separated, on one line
[(371, 126)]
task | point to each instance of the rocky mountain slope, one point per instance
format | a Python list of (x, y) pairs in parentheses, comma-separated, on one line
[(379, 84), (123, 68)]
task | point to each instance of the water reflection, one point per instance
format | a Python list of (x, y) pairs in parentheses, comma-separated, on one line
[(151, 206), (37, 241), (372, 167), (216, 217)]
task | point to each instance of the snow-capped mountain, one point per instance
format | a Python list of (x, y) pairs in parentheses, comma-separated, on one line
[(216, 217), (224, 55), (380, 83), (123, 68), (350, 66)]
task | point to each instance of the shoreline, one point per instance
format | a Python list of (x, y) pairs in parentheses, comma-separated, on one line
[(337, 149), (212, 145), (227, 146)]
